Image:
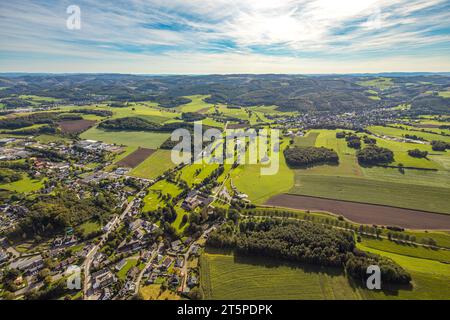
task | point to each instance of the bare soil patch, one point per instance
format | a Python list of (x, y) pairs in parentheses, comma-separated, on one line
[(136, 158), (76, 126), (366, 213)]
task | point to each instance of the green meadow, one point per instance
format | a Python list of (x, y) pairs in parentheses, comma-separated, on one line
[(154, 166), (409, 188), (144, 139), (227, 277), (25, 185)]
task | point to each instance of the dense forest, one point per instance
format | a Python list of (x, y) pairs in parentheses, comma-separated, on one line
[(304, 241), (310, 156)]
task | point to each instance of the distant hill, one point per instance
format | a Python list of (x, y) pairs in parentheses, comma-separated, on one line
[(330, 93)]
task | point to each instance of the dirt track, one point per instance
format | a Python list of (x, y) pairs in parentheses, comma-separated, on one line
[(366, 213), (137, 157)]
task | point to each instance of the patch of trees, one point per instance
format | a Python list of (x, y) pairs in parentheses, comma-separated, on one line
[(129, 123), (437, 145), (15, 103), (96, 112), (309, 156), (369, 140), (353, 141), (414, 137), (169, 101), (358, 262), (340, 135), (118, 104), (23, 122), (52, 214), (306, 242), (416, 153), (8, 175), (373, 155), (192, 116)]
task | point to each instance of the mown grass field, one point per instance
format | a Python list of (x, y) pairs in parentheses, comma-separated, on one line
[(404, 195), (154, 166), (226, 277), (150, 140)]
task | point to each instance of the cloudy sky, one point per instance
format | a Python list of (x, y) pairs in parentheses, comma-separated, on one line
[(226, 36)]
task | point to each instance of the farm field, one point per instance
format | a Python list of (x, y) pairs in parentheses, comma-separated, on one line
[(407, 249), (390, 193), (150, 140), (431, 278), (154, 166), (365, 213), (378, 185), (396, 132), (134, 159), (196, 105), (76, 126), (227, 277)]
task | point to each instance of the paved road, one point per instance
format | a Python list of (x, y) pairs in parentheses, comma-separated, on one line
[(184, 269), (89, 257), (147, 265)]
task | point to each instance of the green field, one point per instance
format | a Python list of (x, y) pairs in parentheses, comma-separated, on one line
[(196, 105), (151, 140), (396, 132), (231, 278), (431, 279), (24, 185), (153, 200), (410, 188), (309, 140), (403, 195), (224, 276), (380, 83), (154, 166), (122, 274), (408, 249), (249, 180)]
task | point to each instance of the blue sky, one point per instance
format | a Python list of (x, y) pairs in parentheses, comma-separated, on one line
[(226, 36)]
